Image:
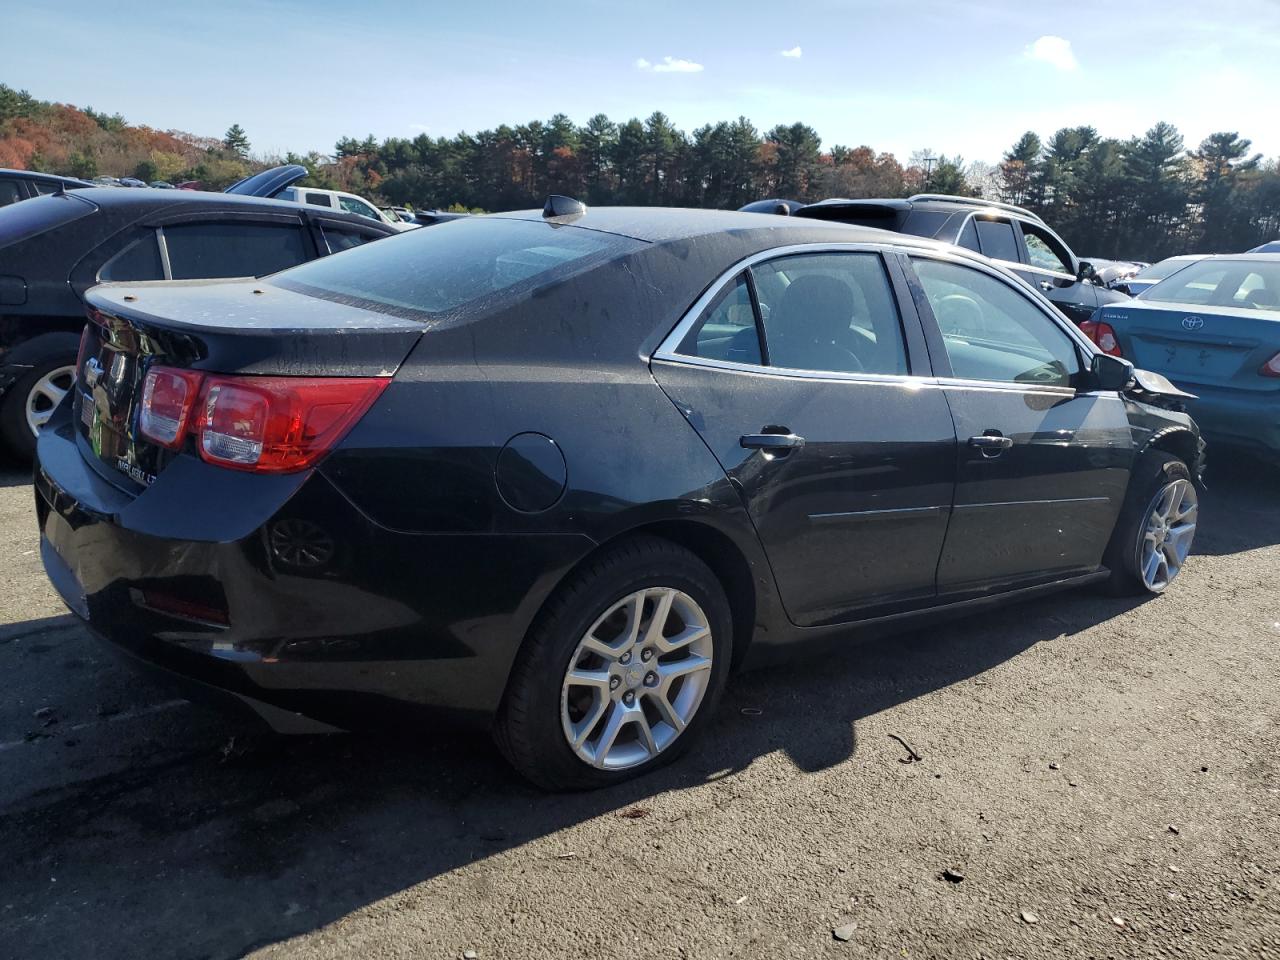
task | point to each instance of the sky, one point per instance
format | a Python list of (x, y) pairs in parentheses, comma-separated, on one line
[(962, 79)]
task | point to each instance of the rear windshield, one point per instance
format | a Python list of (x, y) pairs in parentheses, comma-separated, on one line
[(1247, 284), (437, 270), (1165, 268), (22, 221)]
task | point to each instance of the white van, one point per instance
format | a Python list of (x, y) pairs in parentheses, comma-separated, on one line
[(337, 200)]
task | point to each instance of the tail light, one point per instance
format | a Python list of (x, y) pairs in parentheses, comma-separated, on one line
[(168, 397), (1271, 368), (259, 424), (1104, 335)]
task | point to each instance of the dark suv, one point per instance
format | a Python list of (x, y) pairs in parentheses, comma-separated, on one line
[(1014, 237)]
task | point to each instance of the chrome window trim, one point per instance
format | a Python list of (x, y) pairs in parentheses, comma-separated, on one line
[(164, 253), (667, 350), (936, 250)]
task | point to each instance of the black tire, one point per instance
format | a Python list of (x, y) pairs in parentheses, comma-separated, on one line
[(1154, 470), (528, 729), (17, 436)]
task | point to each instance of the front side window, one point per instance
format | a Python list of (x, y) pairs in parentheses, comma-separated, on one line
[(830, 312), (352, 205), (207, 250), (997, 239), (1044, 252), (993, 332)]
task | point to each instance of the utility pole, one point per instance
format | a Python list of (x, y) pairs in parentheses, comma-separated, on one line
[(928, 171)]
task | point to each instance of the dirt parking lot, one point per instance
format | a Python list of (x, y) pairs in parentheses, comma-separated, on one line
[(1101, 774)]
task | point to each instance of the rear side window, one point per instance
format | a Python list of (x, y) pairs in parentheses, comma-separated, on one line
[(430, 272), (138, 261), (339, 239), (830, 312), (320, 199), (727, 329), (925, 223), (44, 187), (10, 192), (199, 250), (997, 240)]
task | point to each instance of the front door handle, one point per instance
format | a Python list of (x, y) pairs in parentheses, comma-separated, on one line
[(991, 444), (771, 441)]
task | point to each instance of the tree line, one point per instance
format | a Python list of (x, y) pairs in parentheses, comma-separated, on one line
[(1144, 197)]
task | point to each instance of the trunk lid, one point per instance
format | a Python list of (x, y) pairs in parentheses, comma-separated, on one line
[(215, 326), (1198, 345)]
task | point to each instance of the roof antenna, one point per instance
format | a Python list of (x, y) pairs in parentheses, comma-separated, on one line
[(558, 205)]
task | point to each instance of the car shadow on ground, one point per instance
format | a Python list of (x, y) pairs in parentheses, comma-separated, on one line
[(236, 839), (1238, 508)]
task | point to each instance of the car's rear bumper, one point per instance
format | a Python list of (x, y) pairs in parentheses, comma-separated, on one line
[(316, 610), (1239, 417)]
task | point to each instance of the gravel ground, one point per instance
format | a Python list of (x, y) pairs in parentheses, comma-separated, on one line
[(1101, 774)]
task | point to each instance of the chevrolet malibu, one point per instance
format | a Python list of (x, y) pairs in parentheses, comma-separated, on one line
[(560, 472)]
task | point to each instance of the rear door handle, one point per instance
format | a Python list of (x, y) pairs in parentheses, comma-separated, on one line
[(991, 444), (771, 441)]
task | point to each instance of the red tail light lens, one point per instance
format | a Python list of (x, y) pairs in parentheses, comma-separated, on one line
[(168, 396), (1271, 368), (262, 424), (1104, 335), (279, 424)]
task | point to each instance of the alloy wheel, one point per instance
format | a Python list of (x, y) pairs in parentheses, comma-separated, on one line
[(636, 678), (46, 394), (1168, 533)]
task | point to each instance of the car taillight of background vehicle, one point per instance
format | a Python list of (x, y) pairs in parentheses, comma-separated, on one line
[(1104, 335), (259, 424), (1271, 368)]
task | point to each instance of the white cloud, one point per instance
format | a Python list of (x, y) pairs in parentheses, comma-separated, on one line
[(1054, 51), (794, 53), (670, 65)]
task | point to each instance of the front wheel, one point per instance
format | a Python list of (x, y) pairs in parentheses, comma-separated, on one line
[(620, 670), (1157, 526)]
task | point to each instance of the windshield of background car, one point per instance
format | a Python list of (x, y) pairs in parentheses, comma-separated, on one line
[(1163, 269), (1247, 284), (22, 221), (426, 273)]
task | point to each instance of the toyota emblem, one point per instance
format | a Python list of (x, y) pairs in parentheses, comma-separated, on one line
[(1193, 323)]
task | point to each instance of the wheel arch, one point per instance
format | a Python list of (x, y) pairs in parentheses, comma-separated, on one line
[(1182, 443)]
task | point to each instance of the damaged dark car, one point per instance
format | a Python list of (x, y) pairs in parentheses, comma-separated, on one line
[(559, 473)]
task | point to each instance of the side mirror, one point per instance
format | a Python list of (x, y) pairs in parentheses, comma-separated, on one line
[(1111, 373), (1085, 272)]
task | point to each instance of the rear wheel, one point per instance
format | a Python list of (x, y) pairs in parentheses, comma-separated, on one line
[(30, 402), (621, 669), (1157, 526)]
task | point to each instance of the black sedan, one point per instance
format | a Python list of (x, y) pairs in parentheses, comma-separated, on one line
[(560, 473), (54, 248)]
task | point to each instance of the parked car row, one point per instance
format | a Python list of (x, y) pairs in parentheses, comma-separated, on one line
[(419, 477), (54, 248)]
